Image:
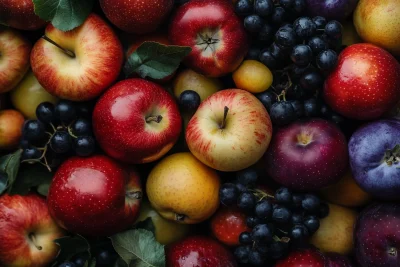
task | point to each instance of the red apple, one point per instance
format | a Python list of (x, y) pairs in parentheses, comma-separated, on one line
[(11, 122), (94, 196), (20, 14), (227, 224), (137, 16), (215, 34), (14, 58), (307, 155), (303, 258), (136, 121), (198, 251), (365, 83), (230, 131), (91, 63), (377, 235), (27, 231)]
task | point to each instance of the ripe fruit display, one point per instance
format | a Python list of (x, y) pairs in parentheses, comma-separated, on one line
[(199, 133)]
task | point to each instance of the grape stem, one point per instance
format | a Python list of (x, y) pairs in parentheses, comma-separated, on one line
[(261, 194)]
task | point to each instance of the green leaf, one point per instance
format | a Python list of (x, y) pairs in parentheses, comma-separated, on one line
[(92, 262), (139, 248), (71, 246), (9, 166), (43, 189), (65, 15), (120, 263), (146, 224), (30, 176), (155, 60)]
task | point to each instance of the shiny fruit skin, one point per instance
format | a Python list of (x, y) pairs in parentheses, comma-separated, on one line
[(166, 231), (20, 14), (28, 94), (191, 80), (148, 14), (303, 258), (315, 149), (377, 23), (253, 76), (181, 185), (14, 60), (199, 251), (377, 235), (20, 216), (211, 19), (335, 233), (96, 47), (11, 122), (227, 224), (346, 192), (88, 196), (119, 121), (365, 83)]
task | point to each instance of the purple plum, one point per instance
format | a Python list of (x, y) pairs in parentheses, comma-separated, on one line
[(374, 151), (337, 260), (331, 9), (377, 236)]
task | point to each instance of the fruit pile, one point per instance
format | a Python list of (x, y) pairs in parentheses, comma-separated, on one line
[(199, 133)]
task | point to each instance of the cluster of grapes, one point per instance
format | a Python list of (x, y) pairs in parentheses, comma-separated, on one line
[(59, 130), (279, 222)]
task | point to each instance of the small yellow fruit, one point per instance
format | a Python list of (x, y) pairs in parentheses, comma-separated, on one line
[(183, 189), (335, 233), (28, 94), (191, 80), (253, 76), (166, 231)]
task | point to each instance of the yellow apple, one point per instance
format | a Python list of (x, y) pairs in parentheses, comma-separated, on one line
[(230, 131), (166, 231), (378, 22), (191, 80), (28, 94), (335, 233), (183, 189)]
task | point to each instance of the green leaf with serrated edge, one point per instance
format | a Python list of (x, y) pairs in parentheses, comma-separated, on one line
[(71, 246), (155, 60), (139, 248), (65, 15), (30, 176), (9, 164), (146, 224)]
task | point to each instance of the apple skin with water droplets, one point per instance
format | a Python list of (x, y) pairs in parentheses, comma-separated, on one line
[(373, 167), (377, 236), (137, 16), (309, 257), (365, 84), (307, 155), (94, 196)]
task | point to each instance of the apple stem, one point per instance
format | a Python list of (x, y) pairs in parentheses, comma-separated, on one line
[(180, 217), (134, 194), (392, 251), (226, 109), (32, 237), (66, 51), (157, 118)]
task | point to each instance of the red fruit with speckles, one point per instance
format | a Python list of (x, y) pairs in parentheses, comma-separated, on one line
[(230, 130), (198, 251), (377, 236), (315, 150), (303, 258), (365, 83), (137, 16), (27, 231), (215, 34), (136, 121), (94, 196), (96, 63), (20, 14), (227, 224)]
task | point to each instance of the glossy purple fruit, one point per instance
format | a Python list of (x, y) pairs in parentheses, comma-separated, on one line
[(374, 152), (307, 155), (337, 260), (377, 236), (331, 9)]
